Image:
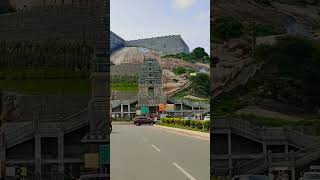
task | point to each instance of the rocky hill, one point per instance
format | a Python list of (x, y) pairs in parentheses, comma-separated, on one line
[(134, 56)]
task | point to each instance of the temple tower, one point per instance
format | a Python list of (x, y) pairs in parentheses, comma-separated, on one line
[(150, 85)]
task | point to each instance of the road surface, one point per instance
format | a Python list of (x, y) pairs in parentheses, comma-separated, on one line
[(150, 153)]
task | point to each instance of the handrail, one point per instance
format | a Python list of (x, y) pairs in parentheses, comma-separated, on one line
[(253, 164), (263, 133), (16, 134)]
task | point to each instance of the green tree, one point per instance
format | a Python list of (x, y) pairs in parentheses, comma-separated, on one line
[(200, 84), (200, 53)]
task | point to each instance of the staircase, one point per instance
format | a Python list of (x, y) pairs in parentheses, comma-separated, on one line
[(255, 166), (309, 145), (14, 136), (261, 134), (296, 159)]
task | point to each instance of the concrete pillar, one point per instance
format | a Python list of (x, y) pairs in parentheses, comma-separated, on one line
[(2, 155), (37, 154), (286, 148), (121, 110), (264, 148), (293, 173), (193, 112), (61, 152), (230, 152)]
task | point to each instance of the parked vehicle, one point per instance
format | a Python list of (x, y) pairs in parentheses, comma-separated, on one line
[(251, 177), (207, 117), (189, 118), (143, 120), (311, 176)]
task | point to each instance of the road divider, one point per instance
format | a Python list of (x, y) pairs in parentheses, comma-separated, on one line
[(185, 131)]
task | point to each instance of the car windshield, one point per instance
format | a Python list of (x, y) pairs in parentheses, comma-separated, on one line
[(259, 178), (311, 176)]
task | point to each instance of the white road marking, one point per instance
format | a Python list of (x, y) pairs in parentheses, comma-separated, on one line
[(155, 147), (184, 171), (145, 139)]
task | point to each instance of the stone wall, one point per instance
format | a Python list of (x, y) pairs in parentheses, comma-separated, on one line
[(167, 44)]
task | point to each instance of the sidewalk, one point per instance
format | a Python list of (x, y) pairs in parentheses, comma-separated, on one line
[(185, 131)]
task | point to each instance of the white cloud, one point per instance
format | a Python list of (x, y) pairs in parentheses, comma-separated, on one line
[(181, 4)]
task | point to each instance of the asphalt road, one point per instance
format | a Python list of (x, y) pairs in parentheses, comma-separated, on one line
[(149, 153)]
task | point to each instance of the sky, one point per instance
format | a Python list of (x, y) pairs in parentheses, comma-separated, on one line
[(137, 19)]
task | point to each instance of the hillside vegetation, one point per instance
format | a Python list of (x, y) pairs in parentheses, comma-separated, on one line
[(197, 55)]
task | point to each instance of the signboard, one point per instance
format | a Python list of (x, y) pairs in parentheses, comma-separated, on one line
[(91, 160), (145, 110), (161, 107), (169, 107), (193, 74), (104, 154), (138, 112)]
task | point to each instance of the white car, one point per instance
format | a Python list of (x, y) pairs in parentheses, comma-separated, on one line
[(207, 117), (251, 177), (188, 118), (311, 176)]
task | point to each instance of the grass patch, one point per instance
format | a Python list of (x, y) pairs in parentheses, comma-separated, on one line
[(124, 86), (182, 127)]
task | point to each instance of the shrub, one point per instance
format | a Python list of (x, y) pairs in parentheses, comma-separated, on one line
[(192, 124), (198, 124), (187, 123), (179, 70), (206, 125)]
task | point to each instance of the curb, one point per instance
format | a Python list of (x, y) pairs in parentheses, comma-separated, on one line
[(122, 123), (186, 131)]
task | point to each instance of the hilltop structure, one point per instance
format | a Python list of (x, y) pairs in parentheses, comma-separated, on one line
[(166, 44)]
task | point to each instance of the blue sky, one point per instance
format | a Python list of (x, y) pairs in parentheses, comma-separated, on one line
[(136, 19)]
